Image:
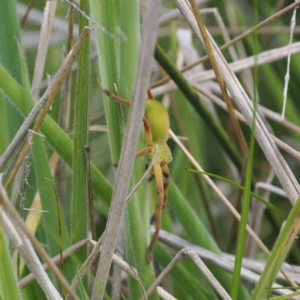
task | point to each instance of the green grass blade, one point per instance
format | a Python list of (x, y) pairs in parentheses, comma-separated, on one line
[(246, 199), (8, 280), (48, 199), (79, 185), (236, 281), (10, 121), (279, 252), (285, 297), (106, 13)]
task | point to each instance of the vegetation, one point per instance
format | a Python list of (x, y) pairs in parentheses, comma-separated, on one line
[(67, 151)]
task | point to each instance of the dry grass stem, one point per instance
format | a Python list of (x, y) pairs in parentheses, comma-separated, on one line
[(287, 148), (46, 28), (258, 266), (251, 61), (92, 22), (163, 295)]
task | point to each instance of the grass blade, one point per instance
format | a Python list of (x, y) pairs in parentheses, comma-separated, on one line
[(8, 287), (79, 184), (279, 252)]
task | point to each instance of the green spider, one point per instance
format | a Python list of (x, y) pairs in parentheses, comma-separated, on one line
[(156, 123)]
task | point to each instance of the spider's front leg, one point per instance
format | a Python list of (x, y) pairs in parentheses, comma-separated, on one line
[(158, 173)]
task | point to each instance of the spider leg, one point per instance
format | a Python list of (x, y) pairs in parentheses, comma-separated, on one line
[(151, 177), (166, 173), (143, 152), (140, 153), (148, 132), (160, 202), (150, 96), (116, 98)]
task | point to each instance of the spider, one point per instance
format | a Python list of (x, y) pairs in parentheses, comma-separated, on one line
[(156, 124)]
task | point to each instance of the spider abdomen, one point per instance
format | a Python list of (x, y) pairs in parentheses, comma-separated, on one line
[(158, 118)]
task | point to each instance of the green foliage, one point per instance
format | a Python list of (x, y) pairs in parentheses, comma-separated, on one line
[(194, 212)]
